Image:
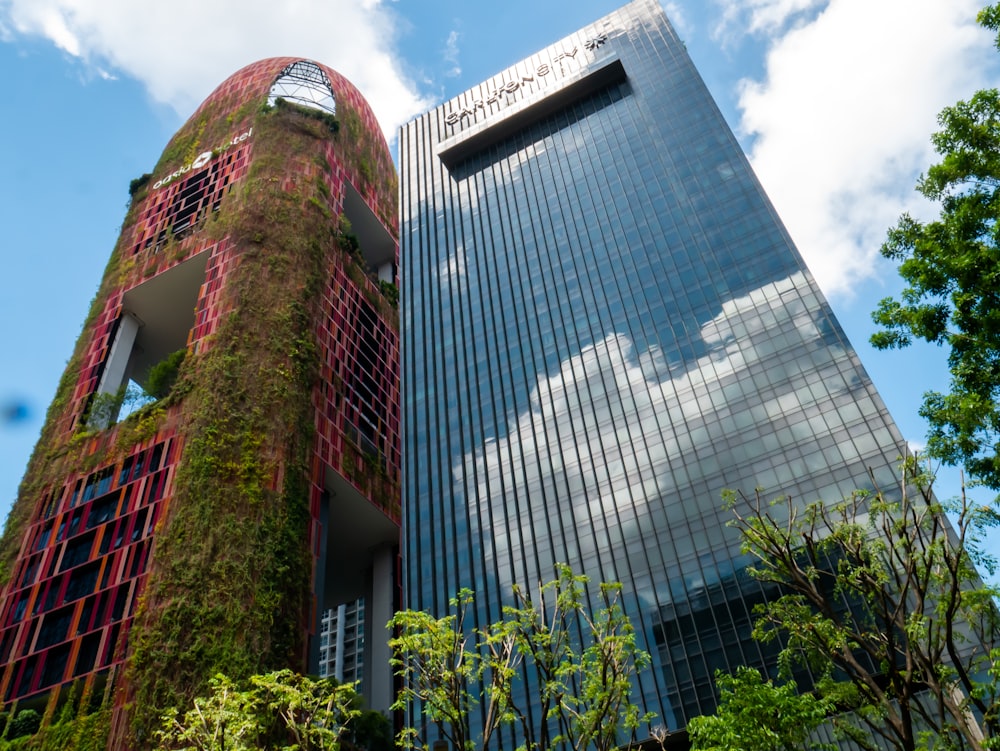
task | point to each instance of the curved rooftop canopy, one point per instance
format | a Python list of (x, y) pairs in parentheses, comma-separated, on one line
[(305, 83)]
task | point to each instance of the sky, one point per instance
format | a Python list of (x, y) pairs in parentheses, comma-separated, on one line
[(832, 100)]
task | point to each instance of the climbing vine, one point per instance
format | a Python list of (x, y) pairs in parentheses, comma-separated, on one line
[(231, 570), (229, 586)]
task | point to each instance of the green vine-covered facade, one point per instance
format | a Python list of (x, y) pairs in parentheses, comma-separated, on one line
[(204, 531)]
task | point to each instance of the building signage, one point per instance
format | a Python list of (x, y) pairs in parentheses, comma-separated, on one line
[(202, 159), (541, 72)]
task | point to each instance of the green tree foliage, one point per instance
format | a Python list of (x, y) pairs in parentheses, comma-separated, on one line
[(390, 291), (226, 718), (883, 604), (80, 722), (586, 691), (583, 664), (757, 715), (25, 722), (279, 710), (163, 375), (951, 267), (138, 183), (438, 666)]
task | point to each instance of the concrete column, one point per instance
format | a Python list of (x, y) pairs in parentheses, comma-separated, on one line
[(116, 365), (379, 609), (338, 672)]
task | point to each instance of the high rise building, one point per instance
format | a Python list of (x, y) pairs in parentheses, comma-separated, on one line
[(342, 642), (251, 299), (605, 325)]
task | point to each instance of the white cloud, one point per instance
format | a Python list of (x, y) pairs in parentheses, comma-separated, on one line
[(451, 53), (768, 16), (454, 267), (183, 49), (615, 426), (53, 25), (840, 124), (678, 18)]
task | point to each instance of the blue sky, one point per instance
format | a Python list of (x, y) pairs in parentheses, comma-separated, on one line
[(833, 100)]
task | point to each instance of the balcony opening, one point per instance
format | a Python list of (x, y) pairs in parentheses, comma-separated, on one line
[(375, 243), (151, 336)]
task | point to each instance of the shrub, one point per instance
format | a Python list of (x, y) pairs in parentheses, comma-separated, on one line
[(137, 183), (390, 292), (163, 375), (27, 722)]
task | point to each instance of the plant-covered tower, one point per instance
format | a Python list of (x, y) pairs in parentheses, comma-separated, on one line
[(221, 460)]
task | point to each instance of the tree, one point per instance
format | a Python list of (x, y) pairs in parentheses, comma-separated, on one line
[(278, 710), (582, 665), (227, 718), (585, 692), (438, 667), (314, 713), (951, 267), (756, 715), (882, 604), (163, 375)]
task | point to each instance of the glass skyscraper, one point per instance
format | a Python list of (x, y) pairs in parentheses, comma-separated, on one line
[(605, 325)]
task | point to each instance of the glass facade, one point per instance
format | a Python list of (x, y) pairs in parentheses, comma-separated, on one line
[(605, 325)]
